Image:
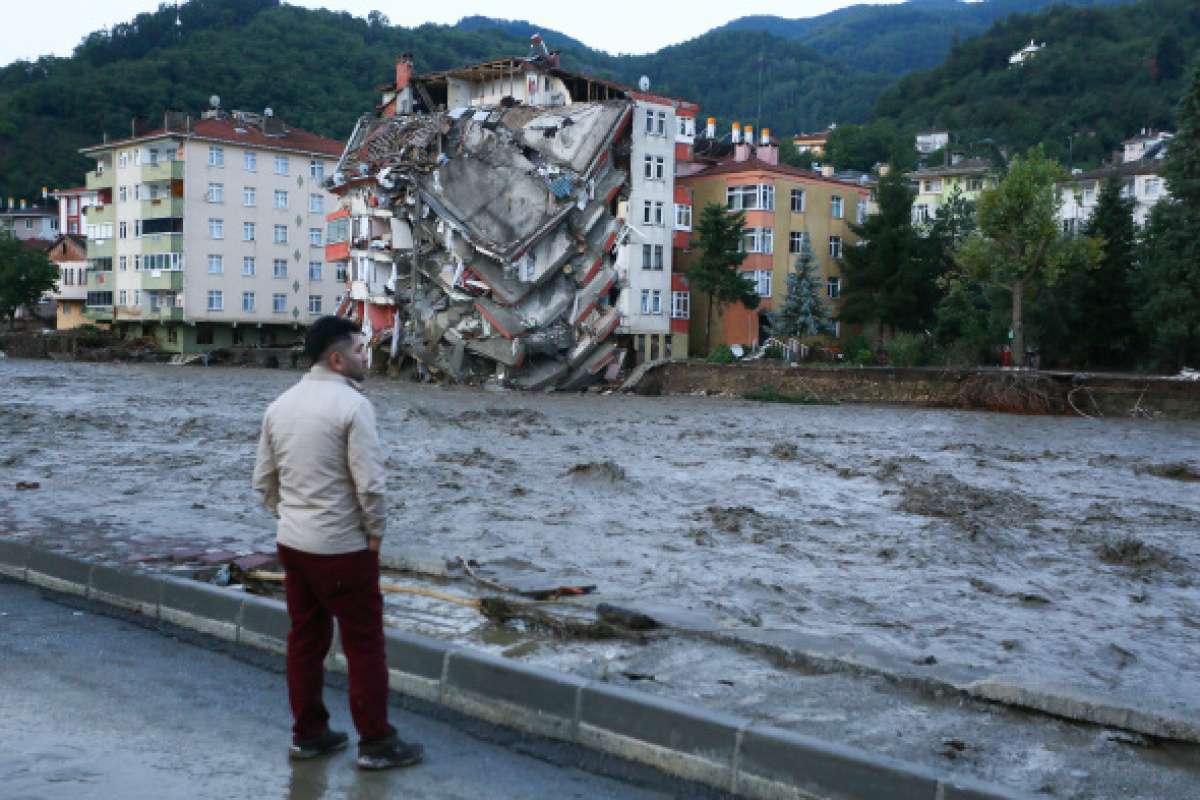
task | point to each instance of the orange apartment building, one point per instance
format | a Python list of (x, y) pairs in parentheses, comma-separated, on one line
[(782, 204)]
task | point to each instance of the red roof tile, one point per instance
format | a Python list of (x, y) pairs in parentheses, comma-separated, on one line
[(228, 130)]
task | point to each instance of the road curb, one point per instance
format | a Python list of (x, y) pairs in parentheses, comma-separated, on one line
[(709, 747)]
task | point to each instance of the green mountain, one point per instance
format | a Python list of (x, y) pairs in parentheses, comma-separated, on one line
[(1104, 74), (896, 39)]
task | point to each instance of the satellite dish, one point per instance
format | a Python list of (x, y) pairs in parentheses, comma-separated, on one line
[(268, 112), (215, 101), (644, 83)]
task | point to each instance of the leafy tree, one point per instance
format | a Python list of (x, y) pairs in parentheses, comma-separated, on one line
[(25, 275), (715, 273), (1170, 60), (861, 147), (889, 277), (1019, 245), (804, 312)]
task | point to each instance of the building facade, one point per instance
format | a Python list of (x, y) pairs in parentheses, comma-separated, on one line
[(968, 178), (30, 222), (69, 254), (210, 233), (932, 141), (71, 203), (785, 207)]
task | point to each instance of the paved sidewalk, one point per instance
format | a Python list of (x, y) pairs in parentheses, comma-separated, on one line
[(99, 707)]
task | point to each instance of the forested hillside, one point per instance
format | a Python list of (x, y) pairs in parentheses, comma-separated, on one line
[(1104, 74)]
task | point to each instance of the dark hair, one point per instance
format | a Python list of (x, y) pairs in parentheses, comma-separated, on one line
[(325, 333)]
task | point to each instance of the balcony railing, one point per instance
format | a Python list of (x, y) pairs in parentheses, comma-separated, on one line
[(162, 207), (161, 243), (100, 248), (162, 171), (160, 280), (97, 215), (99, 180)]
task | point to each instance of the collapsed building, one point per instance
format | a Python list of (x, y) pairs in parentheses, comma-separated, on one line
[(484, 225)]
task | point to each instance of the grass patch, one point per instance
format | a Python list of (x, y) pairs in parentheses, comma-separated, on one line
[(771, 394)]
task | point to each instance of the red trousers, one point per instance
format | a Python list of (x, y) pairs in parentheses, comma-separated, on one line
[(321, 588)]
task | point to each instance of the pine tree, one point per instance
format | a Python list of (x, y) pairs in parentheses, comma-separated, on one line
[(715, 273), (1105, 329), (804, 312)]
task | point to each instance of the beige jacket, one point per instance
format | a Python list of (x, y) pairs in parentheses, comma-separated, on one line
[(320, 466)]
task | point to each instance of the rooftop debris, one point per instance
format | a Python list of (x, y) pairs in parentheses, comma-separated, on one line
[(483, 241)]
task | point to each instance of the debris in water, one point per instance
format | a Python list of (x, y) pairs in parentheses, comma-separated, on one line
[(1130, 551), (1176, 471), (785, 451), (597, 470), (28, 485)]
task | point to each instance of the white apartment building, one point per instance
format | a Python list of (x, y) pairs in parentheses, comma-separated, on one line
[(210, 233), (1140, 175)]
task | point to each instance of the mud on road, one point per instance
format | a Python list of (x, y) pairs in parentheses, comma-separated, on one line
[(1061, 550)]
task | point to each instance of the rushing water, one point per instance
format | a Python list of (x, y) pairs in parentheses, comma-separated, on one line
[(1056, 549)]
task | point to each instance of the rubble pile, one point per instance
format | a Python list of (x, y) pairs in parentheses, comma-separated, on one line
[(492, 233)]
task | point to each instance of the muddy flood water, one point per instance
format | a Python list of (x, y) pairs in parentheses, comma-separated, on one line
[(1058, 550)]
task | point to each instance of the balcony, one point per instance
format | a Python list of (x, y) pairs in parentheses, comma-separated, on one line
[(161, 280), (98, 215), (99, 180), (162, 207), (160, 243), (100, 248), (98, 313), (99, 280), (162, 312), (162, 171)]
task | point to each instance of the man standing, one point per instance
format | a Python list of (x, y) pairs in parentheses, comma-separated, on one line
[(320, 471)]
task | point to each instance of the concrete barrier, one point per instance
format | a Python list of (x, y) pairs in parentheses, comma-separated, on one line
[(709, 747)]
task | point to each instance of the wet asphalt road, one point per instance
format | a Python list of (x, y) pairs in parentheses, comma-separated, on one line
[(99, 707)]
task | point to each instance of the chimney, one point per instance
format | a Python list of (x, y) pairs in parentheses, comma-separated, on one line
[(827, 170), (748, 134), (710, 132), (404, 70), (735, 133), (766, 137), (885, 170)]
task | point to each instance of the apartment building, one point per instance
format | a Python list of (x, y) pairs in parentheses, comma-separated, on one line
[(1138, 166), (30, 222), (783, 206), (210, 233), (967, 178)]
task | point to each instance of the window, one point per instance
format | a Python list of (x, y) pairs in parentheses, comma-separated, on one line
[(797, 201), (314, 237), (340, 272), (683, 217), (1153, 186), (656, 302), (833, 287), (316, 203), (281, 165), (762, 281), (316, 170), (137, 297), (681, 305), (248, 266), (655, 167), (122, 193), (216, 265), (250, 162), (647, 212), (974, 184), (280, 234), (796, 241), (1089, 194), (216, 300), (649, 166), (920, 214), (835, 247), (248, 301), (249, 196), (121, 297), (137, 191), (751, 197), (216, 229), (758, 240), (216, 193), (121, 228), (137, 228), (933, 186), (124, 263), (661, 127), (123, 160), (652, 257), (279, 303), (247, 231), (649, 121), (314, 270), (137, 263), (281, 199), (314, 304), (658, 212), (216, 156), (835, 207), (279, 268), (645, 301)]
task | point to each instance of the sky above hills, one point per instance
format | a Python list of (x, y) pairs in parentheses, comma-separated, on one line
[(54, 27)]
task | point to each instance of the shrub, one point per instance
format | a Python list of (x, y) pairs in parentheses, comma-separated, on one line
[(907, 349), (721, 354), (854, 345), (863, 357), (773, 351), (92, 336)]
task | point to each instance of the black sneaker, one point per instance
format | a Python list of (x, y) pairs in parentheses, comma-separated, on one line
[(389, 753), (328, 741)]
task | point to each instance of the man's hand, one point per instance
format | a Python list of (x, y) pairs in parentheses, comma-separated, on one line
[(373, 543)]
